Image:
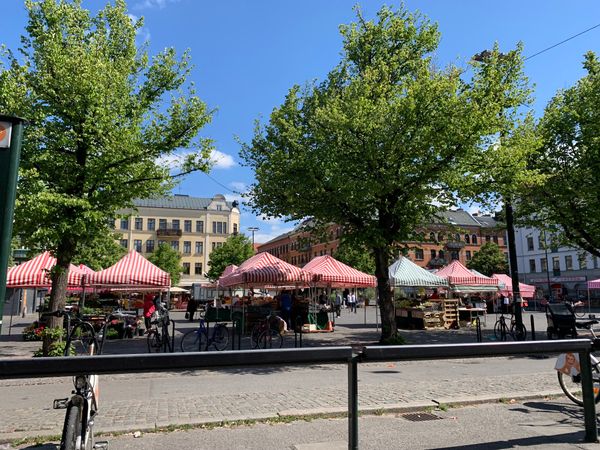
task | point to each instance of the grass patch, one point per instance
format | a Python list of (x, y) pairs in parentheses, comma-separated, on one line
[(36, 440)]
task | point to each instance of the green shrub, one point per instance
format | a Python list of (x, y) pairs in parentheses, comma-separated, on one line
[(57, 348)]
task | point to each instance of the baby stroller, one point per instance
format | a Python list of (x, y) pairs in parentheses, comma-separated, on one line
[(561, 321)]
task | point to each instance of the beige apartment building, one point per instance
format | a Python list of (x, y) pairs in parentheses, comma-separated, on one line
[(193, 226)]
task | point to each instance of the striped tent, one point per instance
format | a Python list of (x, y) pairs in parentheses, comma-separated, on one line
[(594, 284), (265, 269), (132, 270), (36, 273), (328, 271), (505, 284), (457, 274), (226, 272), (405, 273)]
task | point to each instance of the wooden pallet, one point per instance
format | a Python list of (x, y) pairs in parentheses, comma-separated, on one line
[(450, 313)]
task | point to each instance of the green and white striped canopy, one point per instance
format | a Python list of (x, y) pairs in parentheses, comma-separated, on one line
[(404, 272)]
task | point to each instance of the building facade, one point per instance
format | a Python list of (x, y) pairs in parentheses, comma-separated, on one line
[(458, 235), (190, 225), (557, 272)]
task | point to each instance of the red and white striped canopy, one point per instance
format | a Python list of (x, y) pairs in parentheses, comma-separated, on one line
[(36, 273), (328, 271), (458, 274), (133, 270), (594, 284), (265, 269), (526, 290), (226, 272)]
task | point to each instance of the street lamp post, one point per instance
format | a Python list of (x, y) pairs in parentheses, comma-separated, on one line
[(11, 134), (550, 296), (253, 230)]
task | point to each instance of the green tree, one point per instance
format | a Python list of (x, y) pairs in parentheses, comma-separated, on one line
[(102, 252), (566, 203), (488, 260), (101, 113), (169, 260), (235, 250), (379, 145), (360, 258)]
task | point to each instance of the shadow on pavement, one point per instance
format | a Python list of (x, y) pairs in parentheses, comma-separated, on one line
[(566, 438)]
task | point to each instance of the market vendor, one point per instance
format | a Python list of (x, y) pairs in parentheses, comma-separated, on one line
[(149, 308)]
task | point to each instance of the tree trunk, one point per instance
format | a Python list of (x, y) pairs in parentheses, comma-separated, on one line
[(60, 275), (386, 305)]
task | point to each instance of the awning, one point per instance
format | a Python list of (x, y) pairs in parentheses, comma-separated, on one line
[(265, 269), (132, 271), (526, 290), (328, 271), (406, 273), (35, 273), (457, 274)]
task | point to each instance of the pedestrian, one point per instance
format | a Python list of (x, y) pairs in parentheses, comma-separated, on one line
[(192, 306), (352, 302), (345, 295), (505, 303), (149, 308), (285, 303), (338, 303)]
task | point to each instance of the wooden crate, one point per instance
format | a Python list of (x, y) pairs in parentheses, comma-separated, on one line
[(450, 313)]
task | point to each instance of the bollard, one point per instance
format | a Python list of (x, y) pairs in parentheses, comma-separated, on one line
[(353, 403), (172, 336), (532, 328), (587, 392), (478, 329)]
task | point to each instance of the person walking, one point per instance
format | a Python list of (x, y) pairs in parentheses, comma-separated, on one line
[(338, 303), (352, 302)]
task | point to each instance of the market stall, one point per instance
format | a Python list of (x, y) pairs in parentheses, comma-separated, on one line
[(527, 291), (416, 312), (35, 273)]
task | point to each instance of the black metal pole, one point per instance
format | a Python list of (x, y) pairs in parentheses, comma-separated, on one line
[(550, 296), (353, 403), (589, 404), (514, 271)]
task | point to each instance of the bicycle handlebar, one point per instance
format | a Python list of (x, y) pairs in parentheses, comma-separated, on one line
[(57, 313)]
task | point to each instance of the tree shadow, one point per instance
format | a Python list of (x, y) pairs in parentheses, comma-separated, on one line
[(541, 441)]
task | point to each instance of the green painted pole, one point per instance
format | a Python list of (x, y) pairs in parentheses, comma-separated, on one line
[(11, 135)]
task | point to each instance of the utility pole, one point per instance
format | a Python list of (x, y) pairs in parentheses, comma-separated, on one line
[(253, 230)]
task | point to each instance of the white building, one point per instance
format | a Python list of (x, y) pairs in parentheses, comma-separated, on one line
[(564, 270)]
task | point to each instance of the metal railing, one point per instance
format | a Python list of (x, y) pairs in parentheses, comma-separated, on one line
[(117, 364)]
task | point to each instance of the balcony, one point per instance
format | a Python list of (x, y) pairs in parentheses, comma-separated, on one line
[(168, 232)]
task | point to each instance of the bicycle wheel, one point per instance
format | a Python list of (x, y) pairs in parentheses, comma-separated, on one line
[(193, 341), (220, 337), (83, 339), (257, 330), (571, 385), (71, 435), (518, 332), (579, 311), (270, 339), (154, 341), (500, 330)]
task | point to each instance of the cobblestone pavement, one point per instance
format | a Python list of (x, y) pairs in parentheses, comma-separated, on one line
[(145, 401)]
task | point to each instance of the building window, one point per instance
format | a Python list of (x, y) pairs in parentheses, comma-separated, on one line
[(175, 245), (468, 254), (419, 254), (161, 242), (487, 238), (474, 239), (441, 254), (150, 246), (187, 226), (175, 224), (198, 268), (219, 227), (187, 247), (432, 237), (219, 207), (111, 223), (556, 265), (162, 224), (124, 224), (582, 261), (544, 265), (568, 262), (199, 248), (532, 265), (124, 243), (151, 224), (433, 254), (235, 228), (137, 245), (495, 239), (199, 226), (467, 239), (457, 237), (138, 224), (186, 268), (530, 243)]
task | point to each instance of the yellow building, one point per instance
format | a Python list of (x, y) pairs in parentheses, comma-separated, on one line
[(193, 226)]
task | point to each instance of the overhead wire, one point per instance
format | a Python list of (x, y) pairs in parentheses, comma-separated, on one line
[(561, 42)]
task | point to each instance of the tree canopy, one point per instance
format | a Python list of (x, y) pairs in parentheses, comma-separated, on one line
[(380, 145), (235, 250), (488, 260), (566, 203), (101, 113), (360, 258), (169, 260)]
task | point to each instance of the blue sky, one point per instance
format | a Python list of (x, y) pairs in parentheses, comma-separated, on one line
[(247, 54)]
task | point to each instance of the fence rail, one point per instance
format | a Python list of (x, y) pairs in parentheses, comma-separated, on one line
[(109, 364)]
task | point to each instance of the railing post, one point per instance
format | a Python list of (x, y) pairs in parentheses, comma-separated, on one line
[(589, 404), (353, 403), (532, 327)]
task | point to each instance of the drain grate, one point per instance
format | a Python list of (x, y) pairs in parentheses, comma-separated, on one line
[(420, 417)]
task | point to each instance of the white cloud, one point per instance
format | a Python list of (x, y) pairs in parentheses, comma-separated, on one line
[(160, 4), (234, 197), (239, 186), (222, 160), (143, 33)]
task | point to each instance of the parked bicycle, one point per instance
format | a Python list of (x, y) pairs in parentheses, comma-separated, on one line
[(82, 406), (159, 337), (568, 370), (502, 329), (267, 333), (200, 339)]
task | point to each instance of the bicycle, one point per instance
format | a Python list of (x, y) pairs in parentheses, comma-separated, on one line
[(159, 339), (266, 334), (198, 340), (502, 330), (82, 407), (570, 380)]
